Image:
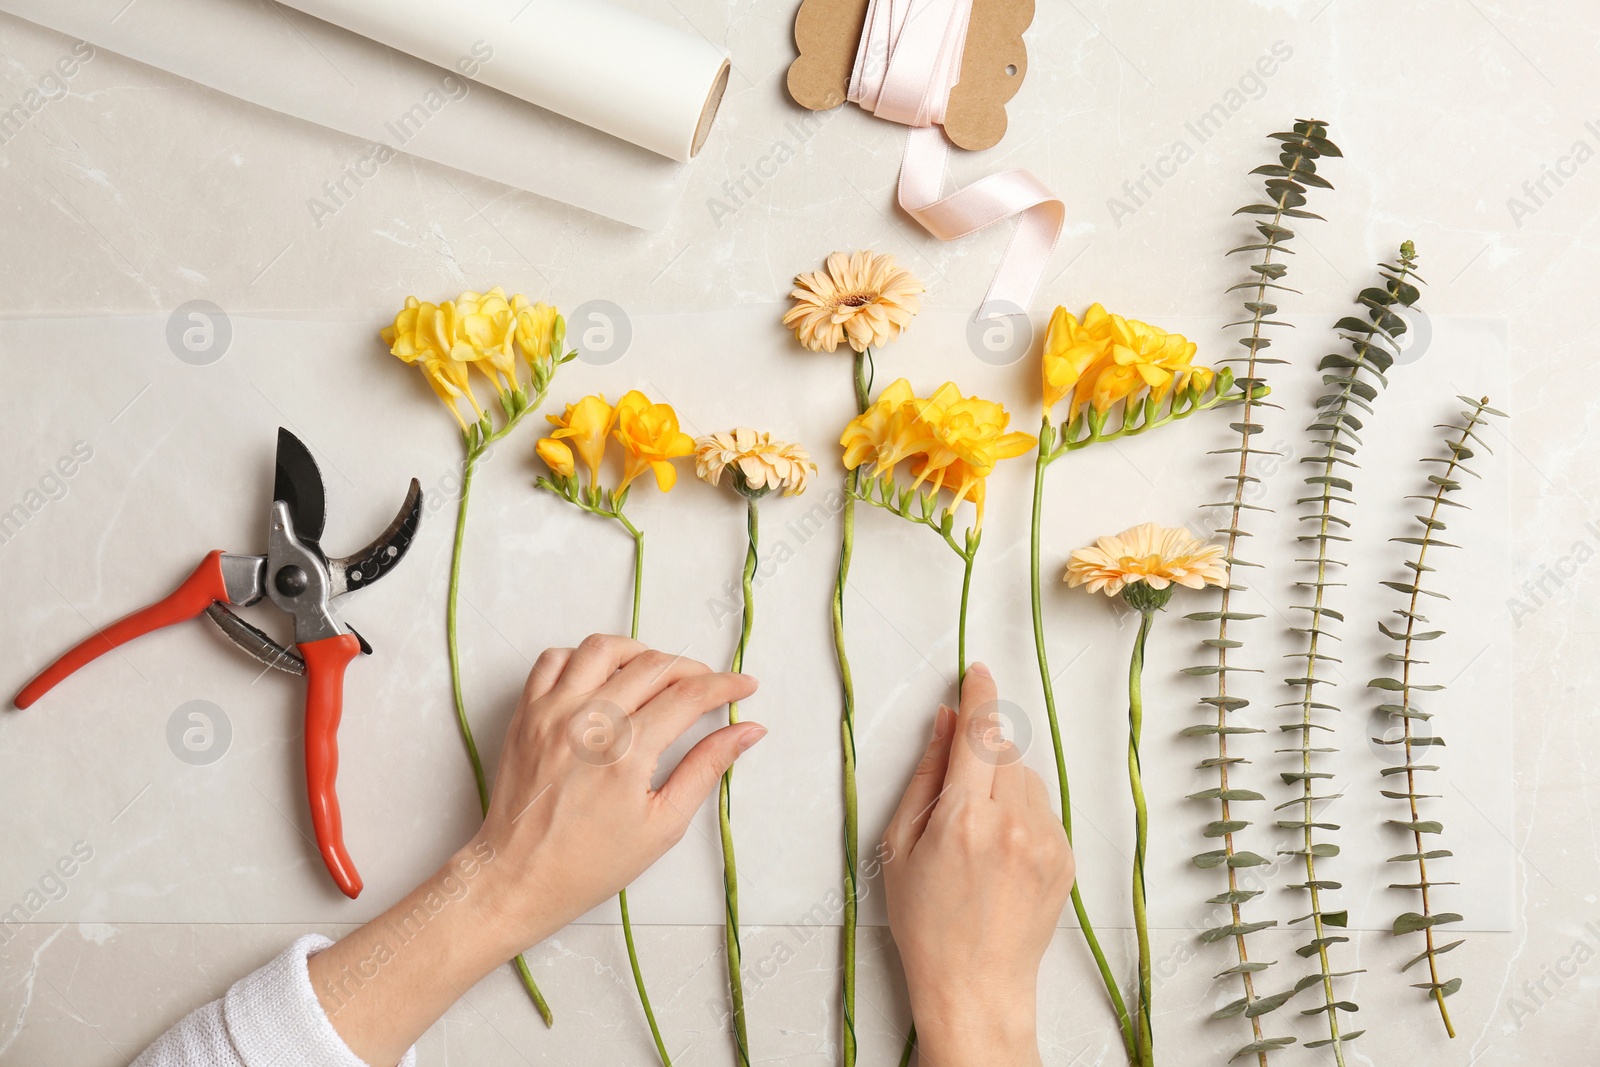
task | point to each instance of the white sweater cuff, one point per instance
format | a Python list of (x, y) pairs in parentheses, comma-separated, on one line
[(274, 1018)]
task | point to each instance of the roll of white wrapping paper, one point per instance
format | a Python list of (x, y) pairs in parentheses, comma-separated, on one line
[(602, 65), (313, 70)]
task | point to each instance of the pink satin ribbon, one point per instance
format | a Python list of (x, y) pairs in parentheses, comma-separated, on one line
[(907, 62)]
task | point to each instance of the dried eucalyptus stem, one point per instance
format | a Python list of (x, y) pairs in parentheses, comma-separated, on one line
[(1354, 379), (1286, 184), (1457, 436)]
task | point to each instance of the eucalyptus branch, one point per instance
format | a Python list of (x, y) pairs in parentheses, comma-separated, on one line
[(1457, 436), (1354, 379), (1286, 184)]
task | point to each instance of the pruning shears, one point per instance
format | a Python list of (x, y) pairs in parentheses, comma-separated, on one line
[(300, 580)]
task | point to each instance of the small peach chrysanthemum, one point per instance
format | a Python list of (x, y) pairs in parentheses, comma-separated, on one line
[(862, 299), (1158, 556), (758, 462)]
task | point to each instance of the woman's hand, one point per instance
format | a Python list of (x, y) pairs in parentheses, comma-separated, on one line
[(573, 819), (978, 873)]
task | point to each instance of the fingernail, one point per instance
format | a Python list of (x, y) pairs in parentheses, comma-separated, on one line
[(752, 679), (751, 736), (943, 722), (981, 670)]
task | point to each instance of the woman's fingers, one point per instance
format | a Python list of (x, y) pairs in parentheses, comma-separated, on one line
[(691, 782), (678, 706), (645, 676), (1010, 773), (546, 672), (1038, 792), (920, 797), (972, 762), (594, 661)]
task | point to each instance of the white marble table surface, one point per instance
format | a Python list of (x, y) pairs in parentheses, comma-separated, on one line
[(136, 192)]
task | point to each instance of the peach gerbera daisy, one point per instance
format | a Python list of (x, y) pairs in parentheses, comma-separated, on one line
[(862, 299), (1157, 556), (759, 462)]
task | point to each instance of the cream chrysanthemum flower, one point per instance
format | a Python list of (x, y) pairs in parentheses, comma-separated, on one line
[(1158, 556), (862, 299), (758, 462)]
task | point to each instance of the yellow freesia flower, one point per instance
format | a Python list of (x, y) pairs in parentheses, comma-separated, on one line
[(953, 441), (650, 440), (1106, 358), (540, 328), (1071, 348), (485, 324), (556, 455), (1160, 358), (586, 425), (425, 334), (1111, 383), (968, 437), (889, 431)]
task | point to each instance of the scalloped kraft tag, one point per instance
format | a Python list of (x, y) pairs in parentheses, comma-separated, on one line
[(993, 63)]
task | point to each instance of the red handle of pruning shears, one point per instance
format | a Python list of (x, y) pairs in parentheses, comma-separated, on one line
[(325, 663), (194, 596)]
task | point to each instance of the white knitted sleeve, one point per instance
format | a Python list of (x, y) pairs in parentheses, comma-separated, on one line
[(268, 1019)]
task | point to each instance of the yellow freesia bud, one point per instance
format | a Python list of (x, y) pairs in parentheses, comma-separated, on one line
[(556, 455), (650, 440), (586, 425), (540, 329)]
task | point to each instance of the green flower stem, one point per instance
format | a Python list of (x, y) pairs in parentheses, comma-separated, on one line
[(1141, 832), (847, 747), (622, 895), (450, 630), (968, 557), (638, 980), (609, 506), (961, 626), (1124, 1022), (730, 872), (478, 440)]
